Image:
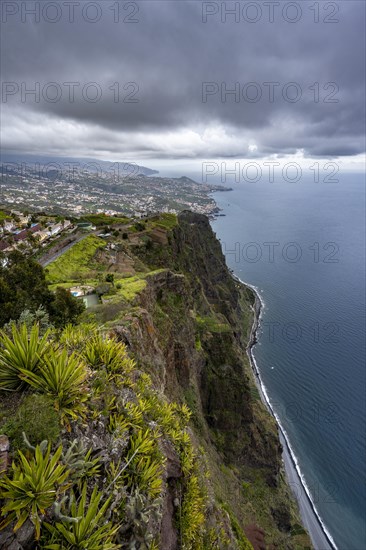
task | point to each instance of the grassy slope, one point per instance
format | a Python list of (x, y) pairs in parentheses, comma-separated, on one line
[(75, 263)]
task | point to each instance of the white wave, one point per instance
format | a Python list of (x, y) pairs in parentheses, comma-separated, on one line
[(283, 431)]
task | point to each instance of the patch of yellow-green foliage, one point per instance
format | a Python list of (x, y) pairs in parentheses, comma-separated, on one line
[(166, 221), (75, 263), (4, 216), (129, 287), (210, 324), (104, 220)]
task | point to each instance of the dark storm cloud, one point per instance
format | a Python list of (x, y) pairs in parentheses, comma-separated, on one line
[(171, 55)]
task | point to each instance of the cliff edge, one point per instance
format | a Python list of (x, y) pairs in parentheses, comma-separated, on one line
[(168, 426)]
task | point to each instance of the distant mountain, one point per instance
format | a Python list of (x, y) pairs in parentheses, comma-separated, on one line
[(91, 165)]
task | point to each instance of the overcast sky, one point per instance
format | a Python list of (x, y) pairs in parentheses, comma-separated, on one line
[(299, 86)]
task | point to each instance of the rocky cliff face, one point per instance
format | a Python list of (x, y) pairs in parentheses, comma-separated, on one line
[(190, 330), (219, 481)]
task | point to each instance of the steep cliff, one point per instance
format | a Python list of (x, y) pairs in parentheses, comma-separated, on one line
[(175, 309), (190, 329)]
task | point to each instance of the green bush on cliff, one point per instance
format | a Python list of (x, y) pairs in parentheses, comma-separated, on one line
[(145, 463), (37, 417), (100, 352)]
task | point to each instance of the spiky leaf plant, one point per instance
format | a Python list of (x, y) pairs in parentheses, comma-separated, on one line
[(193, 515), (33, 487), (63, 378), (74, 338), (108, 353), (145, 463), (90, 528), (22, 352)]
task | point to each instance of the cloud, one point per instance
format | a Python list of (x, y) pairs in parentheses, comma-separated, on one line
[(172, 86)]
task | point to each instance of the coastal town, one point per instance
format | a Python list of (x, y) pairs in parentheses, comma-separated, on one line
[(83, 190)]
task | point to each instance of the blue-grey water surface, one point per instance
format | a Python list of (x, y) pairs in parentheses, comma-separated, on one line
[(311, 350)]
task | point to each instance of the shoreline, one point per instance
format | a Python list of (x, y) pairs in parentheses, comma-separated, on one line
[(319, 535)]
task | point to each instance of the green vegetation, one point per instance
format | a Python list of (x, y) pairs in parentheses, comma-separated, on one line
[(66, 308), (62, 377), (23, 288), (100, 220), (133, 429), (35, 416), (193, 514), (4, 216), (210, 324), (32, 488), (76, 262), (128, 288), (85, 525), (19, 355), (165, 221)]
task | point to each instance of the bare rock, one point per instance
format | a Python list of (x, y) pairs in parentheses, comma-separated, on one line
[(4, 453)]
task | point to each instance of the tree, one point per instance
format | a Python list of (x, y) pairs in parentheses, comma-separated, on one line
[(66, 308), (23, 286)]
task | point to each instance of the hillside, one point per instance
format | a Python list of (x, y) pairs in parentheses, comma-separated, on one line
[(173, 445)]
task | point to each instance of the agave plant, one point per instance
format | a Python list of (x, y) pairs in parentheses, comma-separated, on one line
[(85, 525), (63, 378), (108, 353), (74, 338), (33, 487), (23, 352)]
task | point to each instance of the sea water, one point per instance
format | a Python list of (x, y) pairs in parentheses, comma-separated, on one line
[(302, 246)]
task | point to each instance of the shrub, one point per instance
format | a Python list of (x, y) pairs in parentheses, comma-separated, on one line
[(34, 487), (29, 318), (109, 278), (63, 378), (22, 352), (140, 514), (37, 418)]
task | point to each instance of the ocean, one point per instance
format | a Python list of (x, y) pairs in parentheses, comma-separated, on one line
[(302, 245)]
